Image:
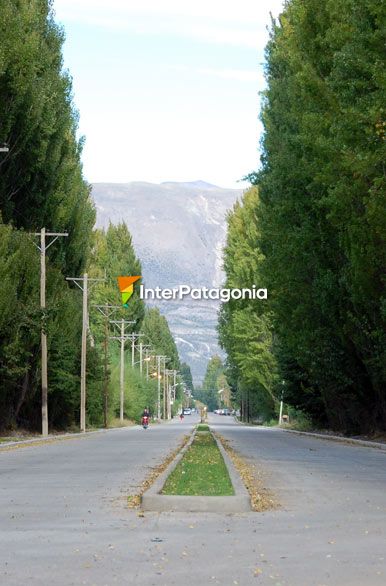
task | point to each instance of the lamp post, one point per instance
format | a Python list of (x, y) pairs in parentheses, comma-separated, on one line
[(281, 404)]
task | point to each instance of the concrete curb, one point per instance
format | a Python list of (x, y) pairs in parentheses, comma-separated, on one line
[(152, 500), (338, 438), (334, 438), (63, 436)]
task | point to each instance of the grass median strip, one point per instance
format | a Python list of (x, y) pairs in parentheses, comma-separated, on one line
[(201, 472)]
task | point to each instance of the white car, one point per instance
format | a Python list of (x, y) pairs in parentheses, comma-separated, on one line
[(187, 412)]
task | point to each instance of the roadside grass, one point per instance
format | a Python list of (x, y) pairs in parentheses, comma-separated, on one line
[(18, 435), (202, 427), (201, 472), (116, 422)]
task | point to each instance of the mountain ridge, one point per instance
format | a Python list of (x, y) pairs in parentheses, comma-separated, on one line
[(178, 230)]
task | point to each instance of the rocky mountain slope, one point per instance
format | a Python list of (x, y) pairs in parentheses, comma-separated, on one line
[(178, 232)]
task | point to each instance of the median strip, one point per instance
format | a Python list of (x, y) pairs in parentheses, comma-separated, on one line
[(201, 471), (201, 478)]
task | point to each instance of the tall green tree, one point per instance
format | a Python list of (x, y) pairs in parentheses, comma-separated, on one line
[(155, 329), (245, 326), (41, 184), (323, 201), (208, 392), (186, 375), (113, 255)]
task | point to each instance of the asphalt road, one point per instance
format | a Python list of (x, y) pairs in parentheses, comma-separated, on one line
[(64, 520)]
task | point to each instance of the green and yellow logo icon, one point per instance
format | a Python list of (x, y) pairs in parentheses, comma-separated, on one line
[(126, 287)]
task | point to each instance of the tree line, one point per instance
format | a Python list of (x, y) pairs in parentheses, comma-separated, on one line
[(313, 228), (42, 185)]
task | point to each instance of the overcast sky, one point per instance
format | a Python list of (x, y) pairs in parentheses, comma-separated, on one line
[(167, 89)]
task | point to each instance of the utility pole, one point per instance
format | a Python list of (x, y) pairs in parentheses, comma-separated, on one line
[(123, 323), (281, 404), (165, 385), (140, 357), (174, 384), (133, 338), (82, 283), (107, 311), (166, 398), (159, 358), (147, 360), (168, 394), (142, 347), (43, 247), (169, 389)]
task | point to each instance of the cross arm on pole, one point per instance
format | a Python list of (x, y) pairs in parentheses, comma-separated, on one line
[(77, 280), (44, 234), (106, 310)]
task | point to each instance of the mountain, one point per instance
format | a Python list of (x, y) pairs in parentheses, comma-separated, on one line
[(178, 231)]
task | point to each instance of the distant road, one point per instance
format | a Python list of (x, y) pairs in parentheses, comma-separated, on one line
[(64, 519)]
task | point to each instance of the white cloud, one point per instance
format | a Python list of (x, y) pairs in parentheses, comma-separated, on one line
[(213, 21), (245, 11)]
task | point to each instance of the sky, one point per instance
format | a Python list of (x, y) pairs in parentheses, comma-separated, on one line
[(167, 90)]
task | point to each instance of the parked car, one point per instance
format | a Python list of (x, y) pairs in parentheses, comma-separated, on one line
[(187, 412)]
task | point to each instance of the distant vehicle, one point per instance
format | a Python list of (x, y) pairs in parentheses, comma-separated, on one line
[(187, 412)]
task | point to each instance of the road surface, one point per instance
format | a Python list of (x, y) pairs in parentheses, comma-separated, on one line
[(64, 520)]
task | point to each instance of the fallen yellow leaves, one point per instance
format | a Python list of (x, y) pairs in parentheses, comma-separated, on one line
[(261, 498), (134, 500)]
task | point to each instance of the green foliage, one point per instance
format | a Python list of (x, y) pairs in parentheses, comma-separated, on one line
[(245, 326), (155, 329), (186, 375), (41, 184), (20, 319), (113, 256), (41, 180), (139, 392), (322, 212), (208, 393)]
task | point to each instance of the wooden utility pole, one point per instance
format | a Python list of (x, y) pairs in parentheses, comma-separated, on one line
[(133, 337), (174, 384), (159, 358), (122, 373), (169, 388), (147, 359), (83, 284), (43, 247), (122, 337), (165, 386), (143, 347), (107, 311), (168, 395), (140, 357)]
